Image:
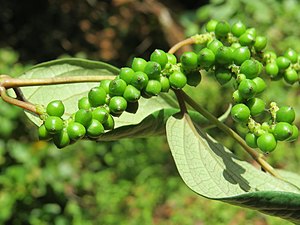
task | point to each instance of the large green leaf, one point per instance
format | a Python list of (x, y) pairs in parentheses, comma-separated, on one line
[(212, 171)]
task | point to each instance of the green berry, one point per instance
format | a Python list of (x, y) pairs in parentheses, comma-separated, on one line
[(251, 140), (295, 134), (126, 74), (97, 96), (283, 62), (100, 113), (247, 88), (160, 57), (61, 139), (177, 80), (235, 45), (283, 131), (139, 80), (266, 142), (222, 29), (223, 75), (153, 88), (117, 87), (55, 108), (214, 45), (292, 55), (285, 114), (109, 124), (138, 64), (260, 84), (84, 117), (247, 39), (269, 56), (272, 69), (238, 28), (189, 60), (206, 58), (240, 113), (250, 68), (236, 97), (44, 133), (152, 69), (132, 94), (193, 78), (224, 55), (171, 58), (260, 43), (165, 84), (211, 25), (290, 76), (54, 124), (76, 130), (117, 105), (84, 103), (95, 129), (105, 85), (240, 55), (256, 106)]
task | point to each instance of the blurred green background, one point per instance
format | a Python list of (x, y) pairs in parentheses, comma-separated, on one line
[(128, 181)]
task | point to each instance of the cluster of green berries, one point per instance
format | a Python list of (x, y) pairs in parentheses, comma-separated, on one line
[(236, 53)]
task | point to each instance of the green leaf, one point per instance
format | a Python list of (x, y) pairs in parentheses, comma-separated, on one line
[(211, 170)]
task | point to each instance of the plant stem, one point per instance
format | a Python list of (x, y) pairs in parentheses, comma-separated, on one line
[(254, 154), (188, 41), (9, 82)]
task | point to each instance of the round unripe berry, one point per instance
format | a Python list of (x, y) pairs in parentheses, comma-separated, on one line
[(61, 139), (160, 57), (109, 124), (223, 75), (238, 28), (283, 131), (126, 74), (236, 97), (97, 96), (44, 133), (189, 60), (139, 80), (295, 134), (193, 78), (224, 55), (251, 140), (76, 130), (117, 87), (247, 88), (214, 45), (165, 84), (241, 54), (55, 108), (272, 69), (138, 64), (222, 29), (95, 129), (240, 77), (247, 39), (105, 85), (54, 124), (292, 55), (260, 84), (283, 62), (266, 142), (152, 69), (250, 68), (84, 103), (171, 58), (132, 94), (211, 25), (260, 43), (84, 117), (177, 80), (100, 113), (290, 76), (240, 113), (153, 88), (256, 106), (206, 58), (117, 105), (285, 114)]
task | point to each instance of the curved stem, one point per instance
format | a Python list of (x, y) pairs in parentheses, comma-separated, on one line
[(188, 41), (254, 154)]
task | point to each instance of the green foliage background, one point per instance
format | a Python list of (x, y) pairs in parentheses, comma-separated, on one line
[(128, 181)]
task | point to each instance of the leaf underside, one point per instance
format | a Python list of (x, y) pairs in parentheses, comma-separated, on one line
[(211, 170)]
